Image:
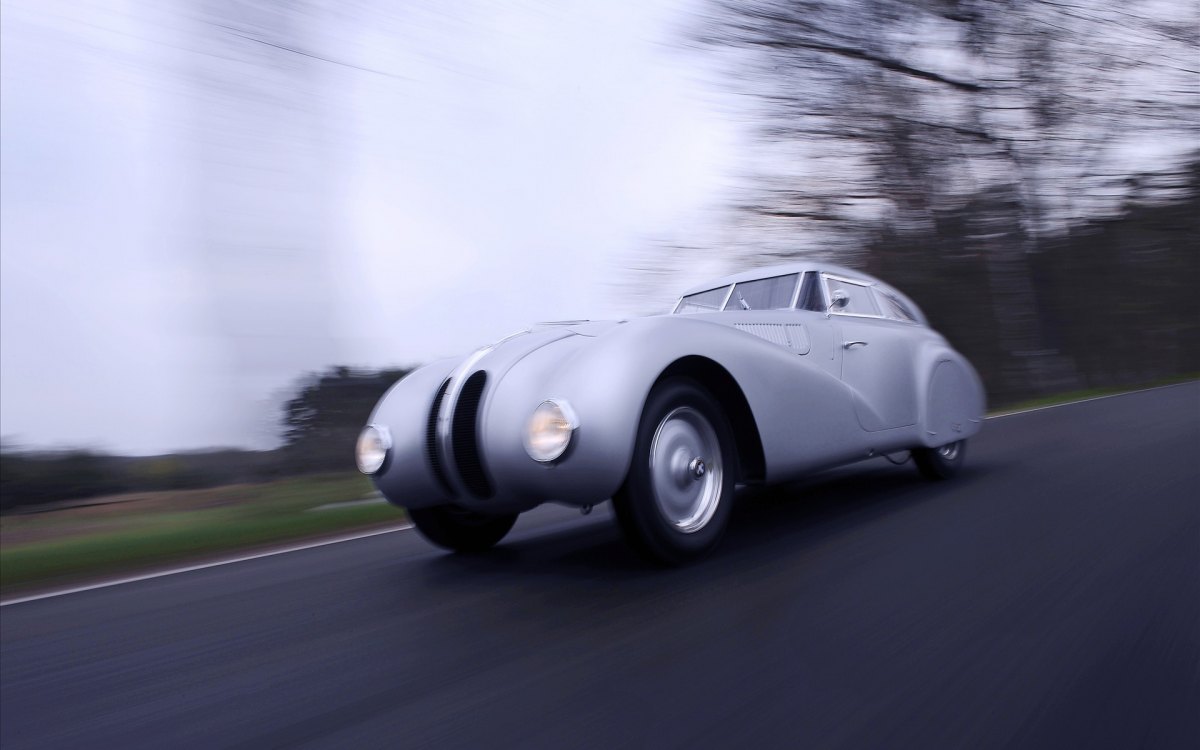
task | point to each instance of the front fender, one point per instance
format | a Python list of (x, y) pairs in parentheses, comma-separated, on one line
[(803, 413), (407, 477)]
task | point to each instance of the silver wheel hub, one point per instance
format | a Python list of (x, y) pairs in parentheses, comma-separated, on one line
[(948, 452), (685, 469)]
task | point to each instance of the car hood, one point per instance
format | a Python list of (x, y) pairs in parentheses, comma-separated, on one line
[(502, 355), (579, 327)]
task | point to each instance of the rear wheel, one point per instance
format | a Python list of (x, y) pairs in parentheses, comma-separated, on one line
[(675, 502), (942, 462), (459, 529)]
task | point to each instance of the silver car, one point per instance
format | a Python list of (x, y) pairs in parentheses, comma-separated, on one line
[(760, 377)]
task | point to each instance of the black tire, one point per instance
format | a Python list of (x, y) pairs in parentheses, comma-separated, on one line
[(942, 462), (675, 407), (461, 530)]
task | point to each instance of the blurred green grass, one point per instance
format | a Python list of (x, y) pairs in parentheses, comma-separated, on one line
[(152, 529)]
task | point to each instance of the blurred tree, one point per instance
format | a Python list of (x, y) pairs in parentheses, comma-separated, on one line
[(948, 144), (322, 420)]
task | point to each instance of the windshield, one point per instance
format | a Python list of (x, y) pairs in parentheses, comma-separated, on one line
[(709, 301)]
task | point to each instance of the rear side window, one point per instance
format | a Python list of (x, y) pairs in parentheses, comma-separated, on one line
[(774, 293), (699, 302)]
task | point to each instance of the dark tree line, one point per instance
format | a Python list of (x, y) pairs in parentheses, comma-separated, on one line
[(322, 420), (320, 423), (1114, 299)]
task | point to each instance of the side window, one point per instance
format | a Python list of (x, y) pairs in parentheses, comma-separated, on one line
[(709, 301), (858, 298), (763, 294), (810, 294)]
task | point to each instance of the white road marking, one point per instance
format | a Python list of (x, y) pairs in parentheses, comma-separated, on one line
[(201, 566), (393, 529), (375, 499)]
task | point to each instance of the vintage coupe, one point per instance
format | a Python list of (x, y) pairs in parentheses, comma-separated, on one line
[(763, 376)]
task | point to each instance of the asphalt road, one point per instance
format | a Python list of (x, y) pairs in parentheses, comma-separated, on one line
[(1048, 597)]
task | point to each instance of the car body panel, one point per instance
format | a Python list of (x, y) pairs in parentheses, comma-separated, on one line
[(879, 369), (406, 477), (813, 402)]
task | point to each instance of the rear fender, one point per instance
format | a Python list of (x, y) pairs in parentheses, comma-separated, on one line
[(950, 395)]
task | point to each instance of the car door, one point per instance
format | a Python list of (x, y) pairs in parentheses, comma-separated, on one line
[(769, 309), (877, 357), (803, 410)]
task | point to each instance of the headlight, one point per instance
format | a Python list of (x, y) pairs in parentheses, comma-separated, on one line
[(374, 442), (550, 430)]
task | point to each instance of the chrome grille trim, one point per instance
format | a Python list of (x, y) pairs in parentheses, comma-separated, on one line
[(467, 456), (431, 449), (445, 417)]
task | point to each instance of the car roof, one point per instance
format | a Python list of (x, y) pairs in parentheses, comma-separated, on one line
[(782, 269)]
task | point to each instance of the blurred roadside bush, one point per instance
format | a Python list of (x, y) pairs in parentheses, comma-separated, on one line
[(322, 420), (320, 424)]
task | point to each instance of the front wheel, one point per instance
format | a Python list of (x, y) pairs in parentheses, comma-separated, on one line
[(461, 530), (675, 503), (942, 462)]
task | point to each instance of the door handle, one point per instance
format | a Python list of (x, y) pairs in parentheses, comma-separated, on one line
[(852, 344)]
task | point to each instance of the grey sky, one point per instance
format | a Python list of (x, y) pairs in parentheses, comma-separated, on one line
[(202, 201)]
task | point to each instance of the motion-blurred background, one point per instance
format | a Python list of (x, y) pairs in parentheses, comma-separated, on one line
[(228, 226)]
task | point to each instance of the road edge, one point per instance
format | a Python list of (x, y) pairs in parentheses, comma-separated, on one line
[(269, 552)]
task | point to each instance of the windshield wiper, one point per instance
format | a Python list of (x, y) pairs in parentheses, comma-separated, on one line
[(742, 301)]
